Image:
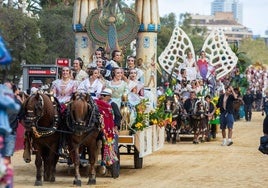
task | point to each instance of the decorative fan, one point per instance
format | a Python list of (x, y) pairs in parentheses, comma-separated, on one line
[(106, 32), (216, 47), (219, 53), (175, 51)]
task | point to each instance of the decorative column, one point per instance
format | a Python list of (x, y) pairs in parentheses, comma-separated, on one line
[(84, 47), (147, 11)]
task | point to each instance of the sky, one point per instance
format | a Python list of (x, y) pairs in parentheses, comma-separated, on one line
[(255, 12)]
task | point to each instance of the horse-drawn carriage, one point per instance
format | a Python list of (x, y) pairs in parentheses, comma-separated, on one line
[(189, 119), (72, 136)]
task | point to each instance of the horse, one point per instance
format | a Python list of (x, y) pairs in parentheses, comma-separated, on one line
[(173, 108), (41, 121), (200, 120), (83, 122)]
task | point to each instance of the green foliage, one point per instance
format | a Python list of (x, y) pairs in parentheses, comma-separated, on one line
[(22, 37), (195, 33), (55, 27), (256, 50)]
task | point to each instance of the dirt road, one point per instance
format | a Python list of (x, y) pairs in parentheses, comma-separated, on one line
[(182, 165)]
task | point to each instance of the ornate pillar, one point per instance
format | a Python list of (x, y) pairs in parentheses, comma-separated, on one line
[(84, 47), (147, 11)]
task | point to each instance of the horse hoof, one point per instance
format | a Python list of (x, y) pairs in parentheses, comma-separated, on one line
[(38, 183), (91, 182), (77, 182)]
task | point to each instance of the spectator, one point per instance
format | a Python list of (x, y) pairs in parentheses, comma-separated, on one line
[(248, 100), (225, 103), (13, 117), (265, 104)]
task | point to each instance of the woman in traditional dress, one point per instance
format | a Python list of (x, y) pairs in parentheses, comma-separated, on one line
[(118, 85), (64, 88), (92, 85), (139, 89)]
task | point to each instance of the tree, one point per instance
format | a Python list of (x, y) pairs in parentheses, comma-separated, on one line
[(22, 37), (195, 33), (55, 27), (256, 50), (168, 23)]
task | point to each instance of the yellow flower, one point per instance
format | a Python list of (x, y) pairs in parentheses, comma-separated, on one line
[(154, 121)]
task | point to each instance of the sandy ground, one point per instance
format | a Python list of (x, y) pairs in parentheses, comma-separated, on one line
[(182, 165)]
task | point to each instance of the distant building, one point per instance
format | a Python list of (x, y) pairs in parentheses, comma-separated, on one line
[(233, 31), (233, 6)]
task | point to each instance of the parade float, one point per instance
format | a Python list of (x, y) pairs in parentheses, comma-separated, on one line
[(109, 25)]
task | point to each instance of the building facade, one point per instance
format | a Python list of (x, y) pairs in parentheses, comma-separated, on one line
[(233, 6), (233, 31)]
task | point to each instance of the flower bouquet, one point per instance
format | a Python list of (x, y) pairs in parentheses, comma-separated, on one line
[(141, 121)]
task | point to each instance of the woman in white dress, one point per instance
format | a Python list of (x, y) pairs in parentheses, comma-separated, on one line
[(93, 84)]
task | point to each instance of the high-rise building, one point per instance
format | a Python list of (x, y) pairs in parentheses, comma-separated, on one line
[(233, 6)]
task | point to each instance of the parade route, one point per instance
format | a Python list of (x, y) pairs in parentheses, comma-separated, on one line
[(182, 165)]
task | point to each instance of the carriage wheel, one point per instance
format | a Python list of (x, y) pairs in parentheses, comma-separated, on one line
[(137, 160)]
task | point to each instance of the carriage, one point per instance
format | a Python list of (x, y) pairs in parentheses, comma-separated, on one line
[(73, 139)]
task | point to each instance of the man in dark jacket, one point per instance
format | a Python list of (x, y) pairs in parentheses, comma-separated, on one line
[(248, 100), (225, 103)]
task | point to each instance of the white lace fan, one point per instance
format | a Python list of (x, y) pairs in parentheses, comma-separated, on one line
[(219, 53), (216, 47), (175, 51)]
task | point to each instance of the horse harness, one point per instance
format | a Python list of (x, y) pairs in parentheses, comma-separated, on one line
[(81, 127), (32, 117)]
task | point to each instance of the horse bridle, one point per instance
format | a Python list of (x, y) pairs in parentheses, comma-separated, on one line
[(31, 117), (82, 126)]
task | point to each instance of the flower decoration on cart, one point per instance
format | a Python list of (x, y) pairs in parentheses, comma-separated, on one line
[(142, 117), (216, 119), (159, 116)]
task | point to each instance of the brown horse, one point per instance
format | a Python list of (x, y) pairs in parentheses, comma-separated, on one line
[(81, 121), (41, 122)]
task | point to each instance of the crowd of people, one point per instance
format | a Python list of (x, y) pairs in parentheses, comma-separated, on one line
[(102, 75)]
